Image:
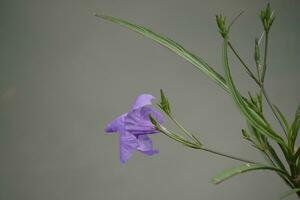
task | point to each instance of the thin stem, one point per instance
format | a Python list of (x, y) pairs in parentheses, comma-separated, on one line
[(178, 138), (265, 57), (258, 70), (262, 83), (191, 136), (270, 159), (244, 64), (227, 155), (261, 37), (234, 20), (273, 110)]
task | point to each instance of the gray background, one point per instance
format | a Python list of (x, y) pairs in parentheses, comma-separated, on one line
[(64, 74)]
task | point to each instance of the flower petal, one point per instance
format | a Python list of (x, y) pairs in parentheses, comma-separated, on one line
[(137, 121), (142, 100), (145, 145), (116, 124), (128, 144)]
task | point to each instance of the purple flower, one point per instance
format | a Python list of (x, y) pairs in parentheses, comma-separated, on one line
[(134, 127)]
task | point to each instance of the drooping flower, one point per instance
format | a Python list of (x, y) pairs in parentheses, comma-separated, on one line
[(135, 126)]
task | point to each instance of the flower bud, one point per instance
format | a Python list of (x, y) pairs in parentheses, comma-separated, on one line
[(256, 52), (164, 103), (221, 22), (245, 135), (267, 18)]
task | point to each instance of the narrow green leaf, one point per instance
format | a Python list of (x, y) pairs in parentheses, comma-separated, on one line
[(275, 156), (246, 135), (239, 170), (198, 62), (253, 118), (286, 124), (259, 138), (295, 125), (290, 192)]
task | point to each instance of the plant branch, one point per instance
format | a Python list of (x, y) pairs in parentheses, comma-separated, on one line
[(190, 135), (180, 139), (265, 57), (227, 155), (273, 110), (244, 64)]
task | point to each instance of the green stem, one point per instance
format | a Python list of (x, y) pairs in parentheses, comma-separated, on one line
[(265, 57), (258, 70), (273, 110), (227, 155), (190, 135), (262, 83), (244, 64), (178, 138)]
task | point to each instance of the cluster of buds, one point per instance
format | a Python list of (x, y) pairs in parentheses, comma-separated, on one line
[(267, 18), (221, 22)]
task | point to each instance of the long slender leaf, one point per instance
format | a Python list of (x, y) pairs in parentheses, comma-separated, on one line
[(275, 157), (198, 62), (295, 125), (241, 169), (286, 124), (290, 192), (253, 118)]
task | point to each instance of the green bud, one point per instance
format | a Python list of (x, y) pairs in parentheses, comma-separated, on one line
[(154, 122), (259, 96), (253, 99), (164, 103), (266, 18), (256, 52), (221, 22), (246, 136)]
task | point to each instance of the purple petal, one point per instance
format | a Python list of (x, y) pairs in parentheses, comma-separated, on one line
[(116, 124), (137, 121), (142, 100), (128, 144), (145, 145)]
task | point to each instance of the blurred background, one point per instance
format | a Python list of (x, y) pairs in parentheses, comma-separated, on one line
[(64, 74)]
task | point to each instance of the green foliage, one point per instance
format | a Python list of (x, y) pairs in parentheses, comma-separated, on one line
[(252, 117), (198, 62), (260, 132), (164, 103), (295, 125), (290, 192), (221, 22), (256, 52), (229, 173), (155, 123), (267, 18)]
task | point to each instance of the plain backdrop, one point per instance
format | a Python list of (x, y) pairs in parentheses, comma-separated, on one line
[(64, 74)]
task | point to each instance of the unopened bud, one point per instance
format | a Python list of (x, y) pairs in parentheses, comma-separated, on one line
[(221, 22), (245, 135), (256, 52)]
